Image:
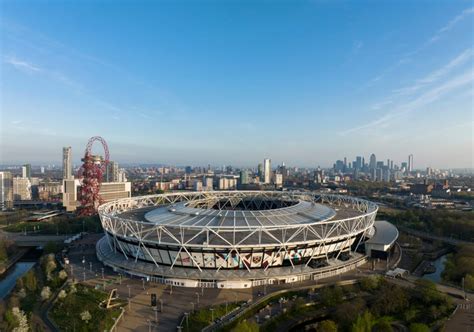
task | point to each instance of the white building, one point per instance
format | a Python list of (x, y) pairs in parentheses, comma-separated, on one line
[(197, 185), (21, 189), (110, 191), (278, 179), (267, 170), (70, 189)]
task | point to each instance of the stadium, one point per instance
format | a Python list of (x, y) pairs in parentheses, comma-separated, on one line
[(235, 239)]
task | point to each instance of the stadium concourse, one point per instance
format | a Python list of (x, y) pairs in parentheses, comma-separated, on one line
[(238, 239)]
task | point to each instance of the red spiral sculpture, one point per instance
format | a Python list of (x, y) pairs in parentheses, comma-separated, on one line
[(91, 172)]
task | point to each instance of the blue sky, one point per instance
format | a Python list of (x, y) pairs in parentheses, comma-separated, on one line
[(230, 82)]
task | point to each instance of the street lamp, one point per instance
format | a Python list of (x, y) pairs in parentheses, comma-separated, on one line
[(212, 314), (197, 294), (128, 286), (192, 303), (155, 309), (186, 314), (90, 266), (102, 273)]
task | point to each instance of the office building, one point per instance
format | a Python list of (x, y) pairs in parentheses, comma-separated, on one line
[(372, 161), (70, 190), (26, 171), (410, 163), (112, 172), (244, 177), (67, 163), (6, 190), (21, 189), (267, 171), (110, 191), (278, 180)]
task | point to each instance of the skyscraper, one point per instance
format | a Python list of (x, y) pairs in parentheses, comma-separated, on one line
[(267, 170), (6, 190), (112, 172), (67, 163), (260, 172), (410, 163), (26, 171), (244, 177), (373, 161)]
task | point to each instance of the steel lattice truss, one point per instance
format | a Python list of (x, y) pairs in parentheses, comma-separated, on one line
[(191, 223)]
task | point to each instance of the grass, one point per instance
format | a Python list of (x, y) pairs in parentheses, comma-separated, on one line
[(59, 225), (203, 317), (66, 313)]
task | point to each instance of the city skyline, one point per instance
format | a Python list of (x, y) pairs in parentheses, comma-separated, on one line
[(312, 82)]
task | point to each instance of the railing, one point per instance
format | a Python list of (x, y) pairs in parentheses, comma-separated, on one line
[(117, 320)]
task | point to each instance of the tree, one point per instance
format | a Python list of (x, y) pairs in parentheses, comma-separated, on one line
[(21, 319), (418, 327), (62, 294), (390, 299), (327, 326), (369, 283), (45, 293), (346, 312), (86, 316), (246, 326), (364, 323), (330, 296), (469, 282), (383, 325), (62, 275), (50, 248), (29, 281)]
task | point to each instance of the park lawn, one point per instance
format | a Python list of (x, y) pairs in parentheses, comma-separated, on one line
[(66, 313), (58, 225)]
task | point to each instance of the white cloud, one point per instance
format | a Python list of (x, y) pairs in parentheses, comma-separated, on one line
[(466, 12), (426, 98), (22, 64), (437, 74)]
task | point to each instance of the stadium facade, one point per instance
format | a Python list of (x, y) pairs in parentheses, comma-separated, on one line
[(235, 239)]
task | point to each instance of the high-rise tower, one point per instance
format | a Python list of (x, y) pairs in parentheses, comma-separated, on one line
[(67, 163), (410, 163), (267, 170)]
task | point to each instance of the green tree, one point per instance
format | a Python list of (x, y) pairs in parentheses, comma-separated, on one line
[(51, 248), (369, 283), (3, 251), (246, 326), (29, 281), (418, 327), (330, 296), (327, 326), (364, 322), (345, 312), (469, 282), (383, 325)]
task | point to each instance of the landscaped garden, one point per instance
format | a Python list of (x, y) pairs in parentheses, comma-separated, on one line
[(374, 304), (81, 308)]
